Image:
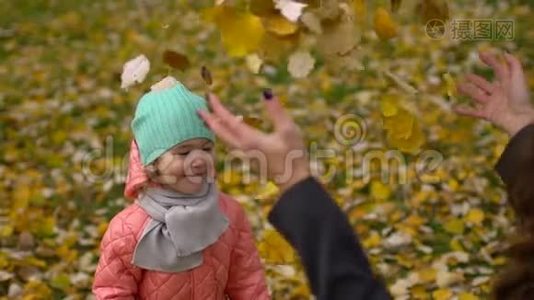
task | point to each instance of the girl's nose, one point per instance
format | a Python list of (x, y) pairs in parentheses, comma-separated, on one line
[(199, 160), (198, 163)]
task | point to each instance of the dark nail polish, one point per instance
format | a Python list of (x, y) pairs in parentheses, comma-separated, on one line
[(267, 94)]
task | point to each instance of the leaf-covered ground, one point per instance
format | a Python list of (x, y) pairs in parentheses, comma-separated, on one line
[(64, 133)]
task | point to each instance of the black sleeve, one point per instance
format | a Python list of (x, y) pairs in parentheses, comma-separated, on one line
[(334, 261), (517, 156)]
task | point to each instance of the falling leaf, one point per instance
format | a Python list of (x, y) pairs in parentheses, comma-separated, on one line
[(360, 11), (206, 75), (255, 122), (241, 32), (176, 60), (338, 38), (300, 64), (329, 10), (279, 25), (254, 63), (312, 22), (385, 27), (134, 71), (262, 7), (395, 5), (434, 10), (277, 48), (290, 9)]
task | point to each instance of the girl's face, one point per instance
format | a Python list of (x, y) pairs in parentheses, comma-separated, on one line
[(186, 166)]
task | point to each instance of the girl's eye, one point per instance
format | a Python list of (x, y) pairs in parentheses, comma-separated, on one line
[(207, 149), (183, 153)]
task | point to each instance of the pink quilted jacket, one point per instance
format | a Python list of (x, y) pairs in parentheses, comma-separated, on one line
[(231, 267)]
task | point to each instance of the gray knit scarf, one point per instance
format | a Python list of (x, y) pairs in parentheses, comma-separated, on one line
[(182, 226)]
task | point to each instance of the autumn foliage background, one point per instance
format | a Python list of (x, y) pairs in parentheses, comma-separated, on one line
[(64, 129)]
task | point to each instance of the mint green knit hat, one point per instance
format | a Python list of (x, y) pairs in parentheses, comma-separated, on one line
[(167, 117)]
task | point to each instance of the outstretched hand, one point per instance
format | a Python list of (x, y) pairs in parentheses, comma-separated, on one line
[(505, 102), (282, 151)]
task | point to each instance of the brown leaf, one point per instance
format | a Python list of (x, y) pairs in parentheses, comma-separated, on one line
[(433, 9), (255, 122), (395, 5), (176, 60), (262, 7), (206, 75)]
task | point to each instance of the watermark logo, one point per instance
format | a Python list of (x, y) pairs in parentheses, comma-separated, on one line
[(350, 129), (348, 162), (471, 29)]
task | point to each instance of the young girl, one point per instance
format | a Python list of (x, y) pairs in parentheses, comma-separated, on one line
[(181, 238)]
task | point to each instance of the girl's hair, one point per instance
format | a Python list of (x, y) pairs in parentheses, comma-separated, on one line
[(517, 279)]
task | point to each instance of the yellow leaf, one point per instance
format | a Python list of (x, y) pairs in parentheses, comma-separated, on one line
[(241, 32), (455, 226), (276, 48), (467, 296), (360, 11), (453, 184), (400, 125), (442, 294), (275, 249), (21, 197), (269, 190), (254, 63), (418, 292), (373, 240), (380, 191), (6, 231), (427, 275), (36, 290), (385, 26), (412, 144), (414, 220), (456, 245), (450, 85), (475, 216), (279, 25), (61, 281), (4, 261), (388, 106)]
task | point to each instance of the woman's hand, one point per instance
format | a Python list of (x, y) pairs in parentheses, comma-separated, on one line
[(506, 101), (282, 151)]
